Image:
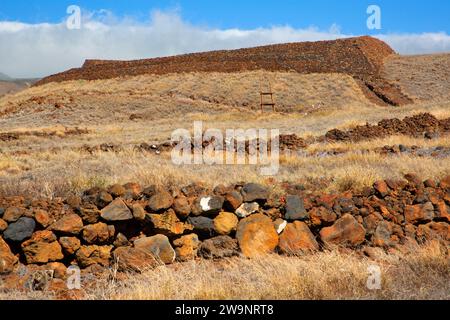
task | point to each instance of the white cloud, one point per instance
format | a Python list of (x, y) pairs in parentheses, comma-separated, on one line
[(34, 50)]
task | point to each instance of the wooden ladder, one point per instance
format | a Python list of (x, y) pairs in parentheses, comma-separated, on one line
[(264, 94)]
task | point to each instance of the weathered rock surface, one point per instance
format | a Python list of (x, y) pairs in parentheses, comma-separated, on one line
[(256, 235)]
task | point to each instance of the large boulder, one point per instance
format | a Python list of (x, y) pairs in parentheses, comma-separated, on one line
[(7, 259), (90, 255), (295, 208), (186, 247), (168, 224), (219, 247), (68, 225), (256, 235), (297, 239), (254, 192), (20, 230), (116, 211), (225, 223), (43, 247), (346, 231), (158, 246)]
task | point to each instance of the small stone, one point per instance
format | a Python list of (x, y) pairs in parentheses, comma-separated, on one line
[(68, 225), (89, 213), (161, 200), (3, 225), (233, 200), (7, 259), (382, 235), (247, 209), (182, 207), (297, 239), (103, 199), (159, 246), (121, 241), (445, 183), (168, 224), (219, 247), (202, 225), (59, 270), (138, 212), (96, 233), (186, 247), (70, 245), (280, 225), (345, 231), (322, 216), (90, 255), (13, 214), (381, 188), (117, 190), (208, 205), (116, 211), (256, 235), (134, 260), (20, 230), (254, 192), (295, 209), (225, 223), (42, 218), (132, 189)]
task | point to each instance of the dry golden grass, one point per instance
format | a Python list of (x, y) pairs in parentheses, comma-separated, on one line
[(422, 274)]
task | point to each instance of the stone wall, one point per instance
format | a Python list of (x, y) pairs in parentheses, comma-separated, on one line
[(134, 228)]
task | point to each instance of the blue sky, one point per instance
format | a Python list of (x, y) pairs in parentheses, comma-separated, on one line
[(35, 40), (398, 15)]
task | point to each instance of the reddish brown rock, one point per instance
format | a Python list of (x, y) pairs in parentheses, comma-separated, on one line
[(89, 213), (103, 199), (186, 247), (161, 200), (98, 233), (116, 211), (7, 259), (256, 235), (130, 259), (297, 239), (443, 211), (59, 270), (42, 218), (346, 231), (219, 247), (419, 213), (225, 223), (445, 183), (233, 200), (133, 189), (12, 214), (381, 188), (168, 224), (433, 231), (3, 225), (181, 206), (321, 215), (70, 225), (90, 255), (383, 235), (42, 248), (70, 245), (158, 246)]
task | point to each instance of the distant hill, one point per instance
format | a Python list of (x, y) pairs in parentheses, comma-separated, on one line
[(4, 77)]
